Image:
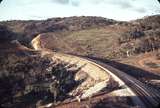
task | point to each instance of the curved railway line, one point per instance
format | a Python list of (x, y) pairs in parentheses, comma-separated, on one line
[(142, 95), (149, 96), (146, 97)]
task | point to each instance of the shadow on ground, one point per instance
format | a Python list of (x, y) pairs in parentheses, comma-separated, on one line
[(131, 70)]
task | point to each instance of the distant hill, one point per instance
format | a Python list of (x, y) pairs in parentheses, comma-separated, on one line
[(32, 28), (93, 36)]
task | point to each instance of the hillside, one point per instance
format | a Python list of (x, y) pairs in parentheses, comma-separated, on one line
[(32, 28), (32, 77), (91, 36)]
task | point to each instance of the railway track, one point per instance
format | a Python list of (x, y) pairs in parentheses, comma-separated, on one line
[(145, 96), (149, 96)]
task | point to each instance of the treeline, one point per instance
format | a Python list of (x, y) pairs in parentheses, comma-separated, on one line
[(130, 35), (141, 41), (150, 43)]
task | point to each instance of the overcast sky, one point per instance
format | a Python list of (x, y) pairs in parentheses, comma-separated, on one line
[(43, 9)]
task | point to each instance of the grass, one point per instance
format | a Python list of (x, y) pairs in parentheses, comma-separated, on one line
[(96, 41)]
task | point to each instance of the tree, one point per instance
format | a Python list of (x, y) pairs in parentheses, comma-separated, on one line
[(0, 1)]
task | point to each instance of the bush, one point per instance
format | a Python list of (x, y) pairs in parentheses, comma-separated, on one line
[(128, 36), (150, 43)]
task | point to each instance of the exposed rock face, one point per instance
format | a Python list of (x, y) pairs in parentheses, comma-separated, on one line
[(25, 72), (36, 42)]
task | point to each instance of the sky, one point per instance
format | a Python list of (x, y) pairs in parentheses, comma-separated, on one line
[(123, 10)]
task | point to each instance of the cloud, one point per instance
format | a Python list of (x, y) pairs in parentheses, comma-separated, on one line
[(128, 5), (141, 10), (97, 1), (114, 9), (75, 2), (121, 3), (125, 5), (67, 2), (61, 1)]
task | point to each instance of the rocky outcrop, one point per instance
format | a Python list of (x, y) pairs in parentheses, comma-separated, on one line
[(36, 43)]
